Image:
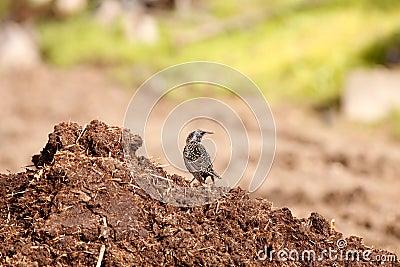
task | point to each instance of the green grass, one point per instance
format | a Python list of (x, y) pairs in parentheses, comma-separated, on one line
[(300, 55), (224, 9), (4, 8), (303, 56), (393, 121), (82, 40)]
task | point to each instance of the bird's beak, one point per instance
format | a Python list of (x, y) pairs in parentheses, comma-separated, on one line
[(205, 132)]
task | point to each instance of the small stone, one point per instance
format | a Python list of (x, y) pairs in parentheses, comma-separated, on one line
[(69, 7), (370, 95), (18, 49)]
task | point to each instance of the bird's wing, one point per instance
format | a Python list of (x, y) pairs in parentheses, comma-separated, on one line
[(196, 158)]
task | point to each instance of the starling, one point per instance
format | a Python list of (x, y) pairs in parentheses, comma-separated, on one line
[(196, 158)]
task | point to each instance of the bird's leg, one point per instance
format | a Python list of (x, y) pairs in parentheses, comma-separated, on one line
[(198, 177), (206, 185)]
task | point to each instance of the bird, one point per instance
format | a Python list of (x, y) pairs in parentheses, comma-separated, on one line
[(196, 158)]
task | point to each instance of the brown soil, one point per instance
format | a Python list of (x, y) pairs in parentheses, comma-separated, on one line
[(82, 196)]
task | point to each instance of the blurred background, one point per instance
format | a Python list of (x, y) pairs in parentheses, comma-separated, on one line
[(329, 69)]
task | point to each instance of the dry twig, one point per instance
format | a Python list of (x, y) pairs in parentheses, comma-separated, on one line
[(100, 259)]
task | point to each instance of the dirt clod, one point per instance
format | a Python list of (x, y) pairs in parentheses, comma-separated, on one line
[(83, 196)]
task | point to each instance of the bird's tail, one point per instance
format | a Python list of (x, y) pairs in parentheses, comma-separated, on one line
[(215, 174)]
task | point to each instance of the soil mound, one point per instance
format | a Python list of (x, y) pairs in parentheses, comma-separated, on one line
[(81, 206)]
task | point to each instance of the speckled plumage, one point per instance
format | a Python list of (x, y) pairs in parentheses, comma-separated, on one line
[(197, 160)]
